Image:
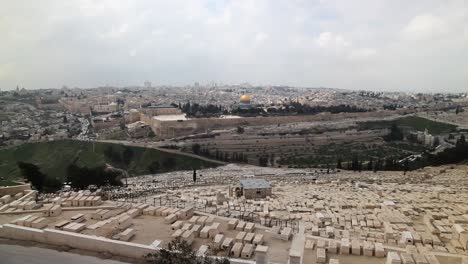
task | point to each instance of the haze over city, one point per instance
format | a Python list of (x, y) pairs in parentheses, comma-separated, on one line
[(372, 45)]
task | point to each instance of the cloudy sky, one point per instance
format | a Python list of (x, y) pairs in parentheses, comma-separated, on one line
[(417, 45)]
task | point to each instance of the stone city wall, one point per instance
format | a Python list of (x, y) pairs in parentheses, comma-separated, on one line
[(170, 129)]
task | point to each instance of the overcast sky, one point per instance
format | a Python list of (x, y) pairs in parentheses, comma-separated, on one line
[(401, 45)]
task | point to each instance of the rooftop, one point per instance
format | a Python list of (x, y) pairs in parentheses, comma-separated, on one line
[(170, 117), (254, 184)]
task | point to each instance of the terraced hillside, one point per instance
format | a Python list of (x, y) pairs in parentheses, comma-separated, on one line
[(411, 123)]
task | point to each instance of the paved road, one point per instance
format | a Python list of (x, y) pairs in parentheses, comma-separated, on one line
[(15, 254)]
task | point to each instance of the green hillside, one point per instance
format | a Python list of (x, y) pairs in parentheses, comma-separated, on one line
[(411, 123), (54, 157)]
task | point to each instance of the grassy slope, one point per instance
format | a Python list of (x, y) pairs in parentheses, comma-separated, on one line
[(412, 122), (54, 157), (8, 183)]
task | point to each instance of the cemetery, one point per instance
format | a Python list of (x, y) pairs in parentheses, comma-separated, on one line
[(259, 215)]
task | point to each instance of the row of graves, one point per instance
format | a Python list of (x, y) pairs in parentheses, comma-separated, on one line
[(83, 198), (143, 186), (20, 202), (363, 222), (113, 222), (243, 244), (328, 249), (414, 257)]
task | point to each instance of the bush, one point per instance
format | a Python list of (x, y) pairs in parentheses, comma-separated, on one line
[(38, 180), (82, 177), (180, 252)]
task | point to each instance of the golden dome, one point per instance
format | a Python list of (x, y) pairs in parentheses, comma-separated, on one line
[(245, 99)]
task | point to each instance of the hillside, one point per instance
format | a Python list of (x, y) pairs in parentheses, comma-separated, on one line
[(54, 157), (411, 123)]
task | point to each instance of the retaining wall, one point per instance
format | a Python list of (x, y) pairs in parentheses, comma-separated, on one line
[(12, 190), (84, 242), (78, 241)]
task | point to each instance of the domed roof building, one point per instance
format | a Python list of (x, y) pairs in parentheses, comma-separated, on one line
[(245, 99), (244, 102)]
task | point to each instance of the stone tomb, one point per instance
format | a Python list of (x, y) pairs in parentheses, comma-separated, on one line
[(236, 250)]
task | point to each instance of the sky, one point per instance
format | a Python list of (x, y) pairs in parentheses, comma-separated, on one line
[(391, 45)]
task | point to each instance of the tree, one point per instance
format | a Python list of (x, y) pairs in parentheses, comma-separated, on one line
[(180, 252), (462, 140), (153, 168), (406, 165), (194, 175), (113, 155), (370, 164), (395, 133), (436, 142), (32, 174), (82, 177), (122, 125), (196, 148), (240, 130), (263, 161), (127, 155), (168, 163), (355, 164), (65, 120), (338, 164), (378, 165)]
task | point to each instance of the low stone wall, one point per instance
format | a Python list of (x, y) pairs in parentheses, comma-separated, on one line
[(78, 241), (84, 242), (22, 233), (99, 244), (12, 190)]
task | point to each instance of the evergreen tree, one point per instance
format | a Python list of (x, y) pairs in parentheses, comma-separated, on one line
[(370, 164), (32, 174), (338, 164)]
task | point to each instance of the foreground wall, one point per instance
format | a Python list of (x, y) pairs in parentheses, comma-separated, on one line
[(78, 241), (84, 242)]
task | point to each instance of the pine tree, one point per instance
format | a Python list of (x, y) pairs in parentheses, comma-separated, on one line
[(370, 164), (338, 164)]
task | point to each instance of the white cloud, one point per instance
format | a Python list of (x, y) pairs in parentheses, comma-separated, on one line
[(260, 37), (332, 40), (363, 53), (425, 27)]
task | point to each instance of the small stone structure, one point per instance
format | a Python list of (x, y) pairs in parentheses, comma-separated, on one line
[(252, 189)]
